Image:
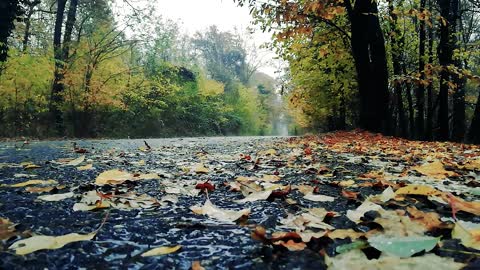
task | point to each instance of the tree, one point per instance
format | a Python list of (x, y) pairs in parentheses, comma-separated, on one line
[(10, 10), (294, 18)]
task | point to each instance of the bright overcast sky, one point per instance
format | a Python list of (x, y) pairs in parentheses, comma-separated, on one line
[(198, 15)]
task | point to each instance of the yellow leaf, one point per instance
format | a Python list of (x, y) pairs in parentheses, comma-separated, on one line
[(31, 166), (270, 178), (161, 251), (33, 182), (40, 242), (86, 167), (418, 190), (468, 233), (113, 177), (435, 170), (269, 152), (200, 168), (344, 233)]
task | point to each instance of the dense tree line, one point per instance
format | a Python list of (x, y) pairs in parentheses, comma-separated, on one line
[(75, 69), (406, 68)]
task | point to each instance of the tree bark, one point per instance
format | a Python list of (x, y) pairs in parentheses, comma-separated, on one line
[(368, 49), (429, 121), (397, 45), (445, 57), (61, 54), (420, 94), (57, 87), (458, 126)]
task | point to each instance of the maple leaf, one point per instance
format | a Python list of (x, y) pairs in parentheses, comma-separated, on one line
[(205, 186)]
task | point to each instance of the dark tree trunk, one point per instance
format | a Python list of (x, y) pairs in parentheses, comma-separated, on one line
[(368, 49), (57, 87), (458, 127), (445, 56), (9, 11), (420, 94), (429, 121), (397, 46), (474, 132), (61, 56)]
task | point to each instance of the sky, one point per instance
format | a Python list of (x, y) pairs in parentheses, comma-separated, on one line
[(197, 15)]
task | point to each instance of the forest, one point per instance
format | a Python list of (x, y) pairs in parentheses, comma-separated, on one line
[(72, 68), (403, 68)]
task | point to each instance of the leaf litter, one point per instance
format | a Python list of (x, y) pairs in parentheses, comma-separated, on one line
[(353, 198)]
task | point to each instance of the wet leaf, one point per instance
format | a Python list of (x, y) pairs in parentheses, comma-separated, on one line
[(403, 246), (357, 214), (318, 198), (435, 170), (33, 182), (158, 251), (40, 242), (357, 260), (418, 190), (55, 197), (468, 233), (76, 161), (212, 211), (86, 167), (255, 196)]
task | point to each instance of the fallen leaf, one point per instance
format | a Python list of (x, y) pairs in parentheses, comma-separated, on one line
[(161, 251), (205, 186), (33, 182), (35, 243), (76, 161), (7, 229), (269, 178), (357, 260), (197, 266), (357, 214), (462, 205), (255, 196), (403, 246), (318, 198), (55, 197), (418, 190), (468, 233), (200, 169), (211, 210), (344, 233), (349, 194), (292, 245), (434, 169), (85, 167), (113, 177), (40, 189), (430, 220)]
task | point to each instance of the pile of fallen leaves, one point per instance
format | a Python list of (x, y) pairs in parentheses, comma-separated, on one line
[(357, 200)]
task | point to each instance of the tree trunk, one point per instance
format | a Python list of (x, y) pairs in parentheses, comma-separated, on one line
[(445, 56), (57, 87), (9, 11), (420, 94), (458, 127), (429, 121), (368, 49), (61, 54), (397, 46)]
